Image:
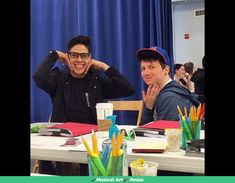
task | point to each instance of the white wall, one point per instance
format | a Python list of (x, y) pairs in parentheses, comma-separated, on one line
[(185, 21)]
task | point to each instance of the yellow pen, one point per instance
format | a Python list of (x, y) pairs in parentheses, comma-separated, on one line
[(185, 112), (195, 113), (94, 143), (113, 145), (179, 110), (87, 147), (119, 143), (191, 113)]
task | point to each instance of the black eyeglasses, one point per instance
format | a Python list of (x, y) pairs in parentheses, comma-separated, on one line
[(128, 136), (75, 55)]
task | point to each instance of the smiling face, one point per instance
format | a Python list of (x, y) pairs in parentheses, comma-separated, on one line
[(152, 72), (180, 72), (79, 57)]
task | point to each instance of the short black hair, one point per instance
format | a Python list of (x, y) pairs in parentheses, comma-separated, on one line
[(189, 67), (177, 67), (154, 58), (80, 39)]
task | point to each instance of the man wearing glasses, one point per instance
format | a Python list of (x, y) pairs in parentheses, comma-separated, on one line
[(75, 91)]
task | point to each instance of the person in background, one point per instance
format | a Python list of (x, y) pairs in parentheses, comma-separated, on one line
[(76, 90), (182, 77), (189, 69), (163, 94), (198, 78)]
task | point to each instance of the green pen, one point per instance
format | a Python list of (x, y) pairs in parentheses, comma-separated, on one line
[(99, 165), (185, 126)]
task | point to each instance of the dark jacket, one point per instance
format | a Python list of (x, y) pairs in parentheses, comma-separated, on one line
[(165, 106), (61, 86), (198, 78)]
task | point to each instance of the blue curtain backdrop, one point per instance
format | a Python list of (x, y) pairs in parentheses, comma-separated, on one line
[(118, 28)]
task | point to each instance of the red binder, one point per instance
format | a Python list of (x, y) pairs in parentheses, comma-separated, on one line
[(161, 124), (69, 129)]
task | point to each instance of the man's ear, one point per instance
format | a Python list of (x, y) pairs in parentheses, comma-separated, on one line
[(167, 69)]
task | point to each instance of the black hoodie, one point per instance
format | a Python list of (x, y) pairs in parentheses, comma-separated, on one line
[(198, 78), (165, 107)]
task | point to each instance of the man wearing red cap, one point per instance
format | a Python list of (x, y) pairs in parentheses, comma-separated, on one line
[(163, 94)]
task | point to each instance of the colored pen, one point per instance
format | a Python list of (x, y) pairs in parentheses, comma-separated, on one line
[(179, 110), (185, 112), (87, 147), (199, 111), (94, 143), (113, 143)]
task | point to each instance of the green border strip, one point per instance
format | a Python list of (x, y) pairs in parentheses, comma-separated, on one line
[(135, 179)]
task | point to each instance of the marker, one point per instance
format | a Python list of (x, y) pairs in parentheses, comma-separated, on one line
[(87, 100)]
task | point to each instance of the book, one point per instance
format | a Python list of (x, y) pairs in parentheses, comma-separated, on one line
[(158, 147), (148, 132), (68, 129), (156, 128), (161, 124)]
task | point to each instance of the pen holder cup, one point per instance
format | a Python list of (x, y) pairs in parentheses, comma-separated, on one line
[(97, 166), (190, 131), (119, 163)]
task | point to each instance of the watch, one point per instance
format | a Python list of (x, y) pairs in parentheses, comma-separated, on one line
[(54, 53)]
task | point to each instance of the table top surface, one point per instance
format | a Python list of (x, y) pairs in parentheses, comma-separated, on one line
[(49, 148)]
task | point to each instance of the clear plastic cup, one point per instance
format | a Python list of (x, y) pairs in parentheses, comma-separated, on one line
[(148, 168), (174, 139)]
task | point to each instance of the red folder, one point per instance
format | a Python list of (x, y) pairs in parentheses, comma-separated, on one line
[(69, 129), (161, 124)]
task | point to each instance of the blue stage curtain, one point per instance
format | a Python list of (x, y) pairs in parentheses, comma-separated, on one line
[(118, 28)]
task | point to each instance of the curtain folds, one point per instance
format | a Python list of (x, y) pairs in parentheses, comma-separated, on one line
[(117, 28)]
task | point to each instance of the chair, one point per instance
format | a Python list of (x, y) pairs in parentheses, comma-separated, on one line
[(36, 167), (129, 105)]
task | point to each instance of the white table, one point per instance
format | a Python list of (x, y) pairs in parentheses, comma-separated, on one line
[(39, 174), (48, 148)]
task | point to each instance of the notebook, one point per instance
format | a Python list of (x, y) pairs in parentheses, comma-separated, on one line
[(161, 124), (158, 147), (156, 128), (68, 129)]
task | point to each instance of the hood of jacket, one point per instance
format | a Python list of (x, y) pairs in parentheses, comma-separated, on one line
[(173, 86)]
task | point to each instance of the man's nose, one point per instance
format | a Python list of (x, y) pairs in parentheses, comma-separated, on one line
[(79, 58), (146, 71)]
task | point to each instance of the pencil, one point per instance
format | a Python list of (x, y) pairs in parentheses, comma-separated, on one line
[(190, 113), (119, 143), (185, 112), (179, 110), (202, 111), (198, 111), (94, 143), (87, 147), (113, 145)]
